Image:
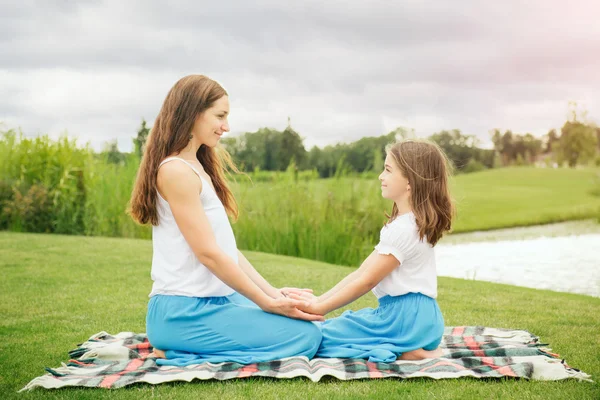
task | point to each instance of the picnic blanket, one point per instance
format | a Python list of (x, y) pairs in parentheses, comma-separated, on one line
[(114, 361)]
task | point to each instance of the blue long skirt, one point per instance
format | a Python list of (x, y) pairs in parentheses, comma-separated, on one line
[(400, 324), (193, 330)]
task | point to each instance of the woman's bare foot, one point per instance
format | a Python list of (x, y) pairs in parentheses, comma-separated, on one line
[(157, 354), (421, 354)]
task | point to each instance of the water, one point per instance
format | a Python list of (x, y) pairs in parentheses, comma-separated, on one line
[(563, 264)]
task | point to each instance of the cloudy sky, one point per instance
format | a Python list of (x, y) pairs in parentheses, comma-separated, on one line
[(340, 70)]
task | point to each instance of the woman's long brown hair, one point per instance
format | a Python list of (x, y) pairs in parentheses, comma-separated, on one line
[(427, 169), (186, 100)]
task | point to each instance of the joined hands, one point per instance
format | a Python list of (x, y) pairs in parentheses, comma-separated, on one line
[(294, 303)]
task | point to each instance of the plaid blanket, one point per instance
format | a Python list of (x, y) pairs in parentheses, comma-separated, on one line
[(114, 361)]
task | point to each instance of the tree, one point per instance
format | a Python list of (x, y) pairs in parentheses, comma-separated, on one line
[(112, 153), (462, 149), (508, 148), (359, 154), (578, 140), (291, 148), (249, 150), (533, 147), (503, 144), (551, 138), (515, 148), (578, 143), (140, 140), (267, 149), (315, 160)]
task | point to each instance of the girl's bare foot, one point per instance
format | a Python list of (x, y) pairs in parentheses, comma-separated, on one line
[(421, 354), (157, 354)]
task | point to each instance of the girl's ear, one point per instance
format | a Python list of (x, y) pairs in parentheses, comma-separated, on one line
[(408, 186)]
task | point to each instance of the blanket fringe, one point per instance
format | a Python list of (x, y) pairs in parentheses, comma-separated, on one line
[(516, 354)]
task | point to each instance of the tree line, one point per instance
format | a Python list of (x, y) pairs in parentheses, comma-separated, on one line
[(268, 149)]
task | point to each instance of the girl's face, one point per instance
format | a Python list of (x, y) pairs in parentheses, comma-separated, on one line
[(212, 123), (394, 185)]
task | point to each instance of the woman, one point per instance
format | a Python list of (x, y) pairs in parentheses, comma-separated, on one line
[(199, 308)]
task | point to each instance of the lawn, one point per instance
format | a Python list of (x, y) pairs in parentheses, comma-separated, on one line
[(58, 290), (509, 197)]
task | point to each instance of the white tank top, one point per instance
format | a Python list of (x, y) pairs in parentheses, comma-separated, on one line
[(175, 268)]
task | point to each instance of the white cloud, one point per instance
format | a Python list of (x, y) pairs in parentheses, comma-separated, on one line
[(340, 70)]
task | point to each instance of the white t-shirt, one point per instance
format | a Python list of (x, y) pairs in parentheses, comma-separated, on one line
[(416, 272), (175, 268)]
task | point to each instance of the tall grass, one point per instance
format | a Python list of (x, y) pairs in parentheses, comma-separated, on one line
[(332, 219), (338, 220), (84, 193), (54, 168), (59, 186), (109, 189)]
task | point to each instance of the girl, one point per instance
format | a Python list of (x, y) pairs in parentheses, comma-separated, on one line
[(400, 271), (195, 313)]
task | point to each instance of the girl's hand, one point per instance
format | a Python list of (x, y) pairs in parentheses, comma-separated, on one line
[(312, 307), (298, 294), (291, 308)]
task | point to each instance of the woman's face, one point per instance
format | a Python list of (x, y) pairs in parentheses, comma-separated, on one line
[(394, 185), (212, 123)]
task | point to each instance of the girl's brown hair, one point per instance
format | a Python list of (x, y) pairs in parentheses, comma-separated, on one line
[(427, 169), (186, 100)]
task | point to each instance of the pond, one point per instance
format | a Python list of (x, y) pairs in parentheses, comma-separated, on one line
[(563, 264)]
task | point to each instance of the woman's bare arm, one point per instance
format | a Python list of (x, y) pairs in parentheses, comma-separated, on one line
[(180, 186)]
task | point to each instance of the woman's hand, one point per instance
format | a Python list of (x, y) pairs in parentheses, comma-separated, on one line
[(291, 308), (312, 307), (298, 294)]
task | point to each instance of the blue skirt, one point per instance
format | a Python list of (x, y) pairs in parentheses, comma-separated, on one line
[(193, 330), (400, 324)]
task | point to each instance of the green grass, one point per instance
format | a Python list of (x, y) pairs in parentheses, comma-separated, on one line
[(510, 197), (58, 290)]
